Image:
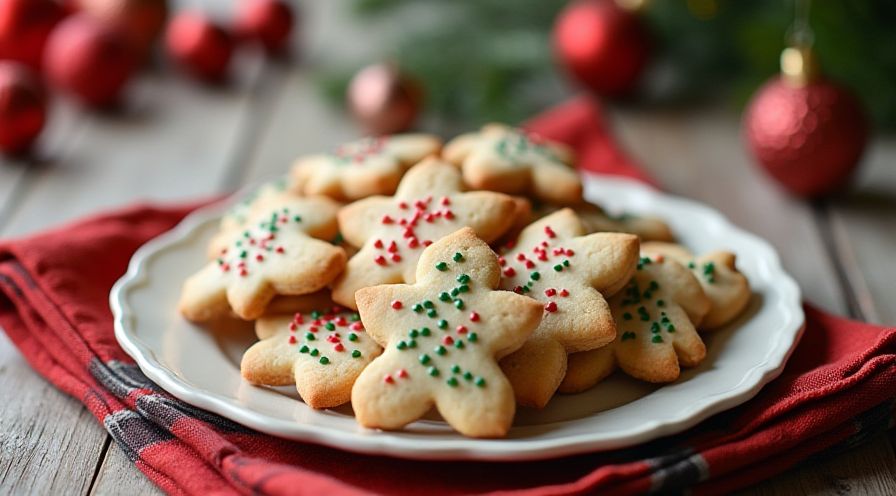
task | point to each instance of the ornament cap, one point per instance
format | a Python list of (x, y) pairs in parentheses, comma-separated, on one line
[(799, 66)]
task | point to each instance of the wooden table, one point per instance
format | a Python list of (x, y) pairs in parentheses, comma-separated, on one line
[(179, 140)]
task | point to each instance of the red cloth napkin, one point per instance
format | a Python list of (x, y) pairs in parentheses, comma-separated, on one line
[(836, 391)]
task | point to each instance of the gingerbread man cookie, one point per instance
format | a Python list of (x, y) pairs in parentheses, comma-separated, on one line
[(442, 336), (717, 272), (393, 231), (321, 352), (369, 166), (656, 316), (273, 255), (501, 158), (554, 262)]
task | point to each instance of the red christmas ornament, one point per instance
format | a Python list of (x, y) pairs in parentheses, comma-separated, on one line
[(266, 21), (383, 100), (603, 45), (24, 28), (141, 20), (89, 59), (807, 132), (23, 107), (199, 46)]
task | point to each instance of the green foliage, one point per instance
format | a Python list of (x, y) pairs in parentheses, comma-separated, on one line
[(491, 59)]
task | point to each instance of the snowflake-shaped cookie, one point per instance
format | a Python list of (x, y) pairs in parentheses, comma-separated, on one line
[(442, 336), (501, 158), (369, 166), (273, 255), (321, 352), (717, 272), (393, 231), (656, 315), (554, 262)]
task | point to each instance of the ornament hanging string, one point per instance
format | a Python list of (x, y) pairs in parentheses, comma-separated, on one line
[(800, 33)]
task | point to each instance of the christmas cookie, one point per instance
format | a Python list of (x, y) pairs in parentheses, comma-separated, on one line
[(393, 231), (501, 158), (717, 272), (554, 262), (646, 227), (370, 166), (273, 255), (656, 315), (442, 336), (321, 352)]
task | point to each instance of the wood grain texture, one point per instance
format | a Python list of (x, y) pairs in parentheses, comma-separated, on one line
[(118, 475)]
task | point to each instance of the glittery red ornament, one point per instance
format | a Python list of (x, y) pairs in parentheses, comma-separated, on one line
[(24, 28), (603, 46), (269, 22), (89, 59), (807, 132), (141, 20), (199, 46), (383, 100), (23, 107)]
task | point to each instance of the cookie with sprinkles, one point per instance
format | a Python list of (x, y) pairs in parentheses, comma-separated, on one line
[(442, 338), (393, 231), (369, 166), (508, 160), (273, 255), (726, 287), (647, 227), (656, 316), (322, 352), (570, 273)]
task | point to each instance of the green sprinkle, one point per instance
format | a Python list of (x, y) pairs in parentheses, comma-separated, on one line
[(692, 265), (431, 313), (355, 317), (459, 304), (303, 349), (655, 327), (627, 316), (324, 360), (314, 352), (660, 303), (455, 369), (244, 254), (459, 344), (463, 278), (455, 292), (670, 328), (443, 324), (558, 267), (665, 319), (458, 257), (309, 336), (442, 266), (657, 339), (654, 286), (417, 307), (428, 304), (424, 331), (444, 296), (412, 344), (468, 376), (480, 382), (352, 336), (566, 263), (440, 350), (535, 275), (330, 326), (356, 354), (472, 337), (463, 288), (315, 314), (452, 382), (424, 359), (628, 335), (433, 371), (401, 345), (414, 333), (642, 312), (525, 289)]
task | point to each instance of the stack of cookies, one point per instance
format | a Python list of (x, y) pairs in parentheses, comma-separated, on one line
[(398, 274)]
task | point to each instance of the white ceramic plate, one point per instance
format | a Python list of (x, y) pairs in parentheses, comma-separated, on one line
[(202, 368)]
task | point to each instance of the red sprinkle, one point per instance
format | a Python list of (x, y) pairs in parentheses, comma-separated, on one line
[(502, 261), (408, 233), (520, 257), (357, 326), (448, 340), (461, 329), (427, 242), (449, 214), (402, 373), (518, 290), (339, 347), (413, 243), (340, 321), (280, 249), (420, 204), (551, 306), (396, 257), (244, 272), (570, 253), (312, 329), (550, 292), (292, 340), (225, 267), (564, 293), (293, 326), (446, 200), (550, 232), (388, 379), (259, 257), (429, 217), (402, 205), (542, 256), (474, 317), (396, 304), (378, 243), (388, 220), (530, 264), (333, 338), (509, 272), (298, 318), (380, 260), (545, 244)]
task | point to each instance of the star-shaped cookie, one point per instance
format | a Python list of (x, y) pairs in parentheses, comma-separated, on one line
[(393, 231), (508, 160), (717, 272), (273, 255), (442, 336), (656, 317), (569, 272), (369, 166)]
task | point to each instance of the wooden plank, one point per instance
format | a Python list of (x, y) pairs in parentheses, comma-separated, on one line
[(118, 475), (699, 154)]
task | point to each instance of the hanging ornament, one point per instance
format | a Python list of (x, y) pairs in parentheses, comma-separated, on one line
[(603, 44), (269, 22), (90, 60), (806, 131), (141, 20), (24, 28), (23, 107), (199, 46), (383, 100)]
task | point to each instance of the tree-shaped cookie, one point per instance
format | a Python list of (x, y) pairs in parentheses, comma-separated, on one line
[(321, 352), (273, 255), (717, 272), (554, 262), (393, 231), (656, 315), (442, 336), (369, 166), (501, 158)]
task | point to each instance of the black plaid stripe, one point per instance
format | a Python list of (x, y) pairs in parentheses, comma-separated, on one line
[(674, 472), (165, 411), (133, 433)]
